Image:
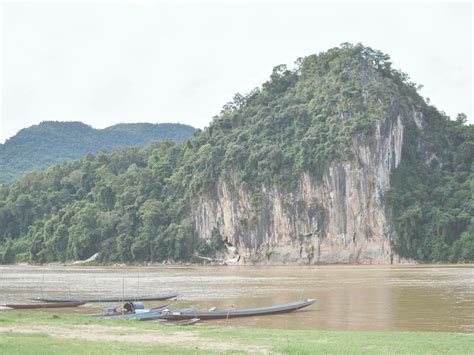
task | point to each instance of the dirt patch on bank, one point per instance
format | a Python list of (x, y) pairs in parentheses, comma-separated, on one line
[(100, 333)]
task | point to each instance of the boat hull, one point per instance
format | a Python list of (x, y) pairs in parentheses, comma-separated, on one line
[(46, 305), (160, 297), (250, 312)]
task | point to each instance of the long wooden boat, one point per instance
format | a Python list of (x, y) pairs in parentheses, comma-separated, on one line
[(159, 297), (249, 312), (46, 305)]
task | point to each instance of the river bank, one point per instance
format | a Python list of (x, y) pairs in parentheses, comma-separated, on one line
[(350, 298), (39, 332)]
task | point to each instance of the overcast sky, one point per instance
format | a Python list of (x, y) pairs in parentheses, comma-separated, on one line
[(104, 62)]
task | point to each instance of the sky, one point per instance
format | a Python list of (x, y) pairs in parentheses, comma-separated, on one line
[(106, 62)]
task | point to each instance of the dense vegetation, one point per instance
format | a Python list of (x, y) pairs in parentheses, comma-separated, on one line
[(49, 143), (131, 205), (432, 194), (136, 204)]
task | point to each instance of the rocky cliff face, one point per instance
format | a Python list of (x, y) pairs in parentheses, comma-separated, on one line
[(341, 217)]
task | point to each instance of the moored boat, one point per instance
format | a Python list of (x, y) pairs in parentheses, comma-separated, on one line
[(158, 297), (249, 312), (46, 305)]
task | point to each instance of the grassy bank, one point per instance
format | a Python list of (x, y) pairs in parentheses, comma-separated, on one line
[(41, 333)]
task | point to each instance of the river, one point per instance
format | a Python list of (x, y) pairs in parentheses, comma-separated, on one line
[(414, 298)]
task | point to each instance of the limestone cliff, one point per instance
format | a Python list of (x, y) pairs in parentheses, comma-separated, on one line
[(342, 217)]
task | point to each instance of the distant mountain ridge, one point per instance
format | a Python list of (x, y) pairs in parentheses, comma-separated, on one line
[(51, 142)]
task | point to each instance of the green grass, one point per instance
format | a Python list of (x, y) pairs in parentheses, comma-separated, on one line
[(349, 342), (205, 338), (43, 344)]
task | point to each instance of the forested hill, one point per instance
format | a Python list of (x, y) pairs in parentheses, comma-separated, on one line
[(49, 143), (337, 160)]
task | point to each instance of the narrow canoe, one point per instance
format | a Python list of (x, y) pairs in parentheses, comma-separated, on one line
[(46, 305), (249, 312), (159, 297)]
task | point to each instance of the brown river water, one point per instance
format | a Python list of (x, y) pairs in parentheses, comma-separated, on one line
[(415, 298)]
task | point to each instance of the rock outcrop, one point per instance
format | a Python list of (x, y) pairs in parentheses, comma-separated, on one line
[(341, 217)]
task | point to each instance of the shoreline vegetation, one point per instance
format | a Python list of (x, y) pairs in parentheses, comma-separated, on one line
[(210, 264), (40, 332)]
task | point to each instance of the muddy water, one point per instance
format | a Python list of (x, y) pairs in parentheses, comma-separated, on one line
[(429, 298)]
